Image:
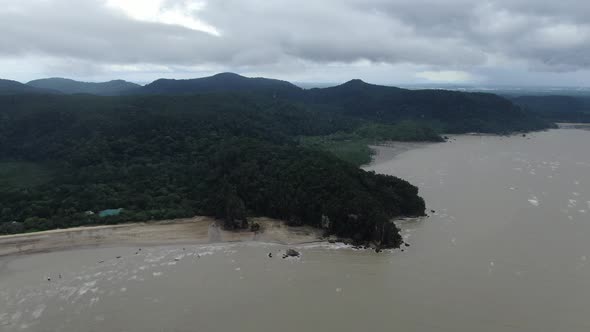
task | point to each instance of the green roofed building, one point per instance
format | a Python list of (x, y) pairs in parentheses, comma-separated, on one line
[(110, 213)]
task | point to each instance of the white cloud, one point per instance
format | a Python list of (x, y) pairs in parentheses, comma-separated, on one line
[(162, 11)]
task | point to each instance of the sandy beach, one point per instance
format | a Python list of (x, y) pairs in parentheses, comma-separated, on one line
[(197, 230)]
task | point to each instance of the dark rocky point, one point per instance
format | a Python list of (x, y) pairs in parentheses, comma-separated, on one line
[(291, 253)]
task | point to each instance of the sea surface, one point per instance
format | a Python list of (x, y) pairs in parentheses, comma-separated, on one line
[(506, 247)]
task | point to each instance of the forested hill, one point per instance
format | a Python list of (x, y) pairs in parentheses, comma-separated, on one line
[(8, 87), (448, 111), (67, 86), (557, 108), (442, 110), (161, 157), (224, 82)]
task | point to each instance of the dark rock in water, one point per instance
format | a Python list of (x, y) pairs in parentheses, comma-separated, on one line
[(291, 253), (377, 250), (407, 244), (100, 262), (432, 211), (270, 254), (118, 257), (48, 279), (255, 227)]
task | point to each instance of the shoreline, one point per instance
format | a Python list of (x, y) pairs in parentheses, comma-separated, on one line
[(389, 150), (189, 231), (573, 125), (199, 230)]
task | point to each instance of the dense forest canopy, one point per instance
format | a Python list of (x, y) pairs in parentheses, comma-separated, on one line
[(168, 157), (265, 147)]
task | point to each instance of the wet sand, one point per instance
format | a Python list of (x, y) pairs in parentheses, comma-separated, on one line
[(197, 230)]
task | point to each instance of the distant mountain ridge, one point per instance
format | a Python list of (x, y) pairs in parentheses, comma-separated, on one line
[(451, 111), (68, 86), (8, 87), (223, 82), (557, 108), (554, 103), (444, 110)]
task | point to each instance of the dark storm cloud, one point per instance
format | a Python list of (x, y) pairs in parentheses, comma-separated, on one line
[(549, 35), (455, 34)]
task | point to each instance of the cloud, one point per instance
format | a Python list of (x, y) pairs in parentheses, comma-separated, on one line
[(446, 39), (161, 11), (449, 76)]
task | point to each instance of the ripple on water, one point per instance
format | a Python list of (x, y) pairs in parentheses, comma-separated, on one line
[(38, 311)]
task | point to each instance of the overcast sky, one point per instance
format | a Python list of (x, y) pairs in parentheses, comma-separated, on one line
[(495, 42)]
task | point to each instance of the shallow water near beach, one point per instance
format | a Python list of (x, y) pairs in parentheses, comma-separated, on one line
[(505, 248)]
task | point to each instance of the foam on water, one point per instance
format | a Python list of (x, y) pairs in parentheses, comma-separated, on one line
[(326, 245), (38, 311), (86, 287)]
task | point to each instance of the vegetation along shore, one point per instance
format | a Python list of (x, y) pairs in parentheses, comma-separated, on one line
[(228, 147)]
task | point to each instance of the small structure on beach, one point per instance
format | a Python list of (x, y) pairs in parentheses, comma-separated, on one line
[(110, 213)]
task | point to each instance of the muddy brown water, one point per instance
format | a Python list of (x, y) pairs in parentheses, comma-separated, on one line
[(507, 249)]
